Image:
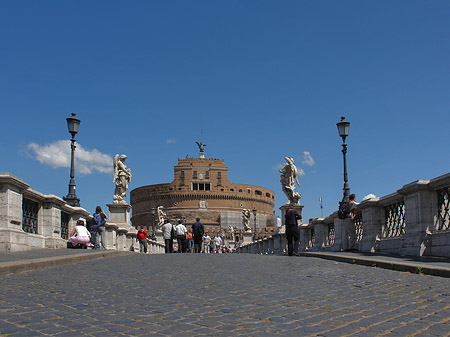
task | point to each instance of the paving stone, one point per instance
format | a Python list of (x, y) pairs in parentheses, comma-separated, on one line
[(238, 294)]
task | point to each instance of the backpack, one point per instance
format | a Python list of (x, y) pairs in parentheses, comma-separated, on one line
[(343, 210), (98, 219), (172, 233)]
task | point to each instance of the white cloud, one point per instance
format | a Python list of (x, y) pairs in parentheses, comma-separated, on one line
[(308, 159), (301, 173), (171, 141), (369, 196), (57, 154)]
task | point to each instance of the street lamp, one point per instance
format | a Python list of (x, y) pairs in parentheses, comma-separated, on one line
[(153, 223), (73, 124), (343, 127), (254, 213)]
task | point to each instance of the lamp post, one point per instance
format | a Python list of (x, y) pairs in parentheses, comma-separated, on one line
[(254, 213), (343, 127), (153, 223), (73, 124)]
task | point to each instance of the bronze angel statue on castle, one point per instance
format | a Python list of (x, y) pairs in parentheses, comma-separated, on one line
[(122, 176)]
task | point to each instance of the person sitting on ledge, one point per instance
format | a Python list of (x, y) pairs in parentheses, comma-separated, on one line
[(80, 235)]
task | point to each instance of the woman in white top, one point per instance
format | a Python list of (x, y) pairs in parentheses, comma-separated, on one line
[(80, 235)]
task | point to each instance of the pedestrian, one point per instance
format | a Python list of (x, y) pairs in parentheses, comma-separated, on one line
[(99, 220), (198, 230), (181, 236), (168, 234), (292, 232), (206, 239), (142, 238), (80, 235), (190, 238), (211, 246), (217, 243), (348, 225)]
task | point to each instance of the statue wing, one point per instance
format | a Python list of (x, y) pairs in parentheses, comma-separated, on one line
[(295, 174), (116, 173)]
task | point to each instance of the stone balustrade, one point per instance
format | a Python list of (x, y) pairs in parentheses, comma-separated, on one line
[(415, 220), (32, 220)]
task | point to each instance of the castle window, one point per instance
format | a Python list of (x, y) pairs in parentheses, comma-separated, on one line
[(182, 174), (258, 192), (207, 175), (268, 195), (194, 176), (219, 175), (249, 190), (231, 189), (201, 187)]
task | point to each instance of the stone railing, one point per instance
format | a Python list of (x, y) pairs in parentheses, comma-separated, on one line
[(414, 221), (32, 220)]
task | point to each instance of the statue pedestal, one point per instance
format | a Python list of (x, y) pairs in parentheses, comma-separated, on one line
[(159, 237), (283, 210), (248, 237), (117, 226), (119, 214)]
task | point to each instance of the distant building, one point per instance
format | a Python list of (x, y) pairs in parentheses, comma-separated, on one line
[(201, 189)]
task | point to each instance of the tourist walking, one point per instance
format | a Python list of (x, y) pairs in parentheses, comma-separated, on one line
[(190, 239), (198, 230), (217, 243), (168, 235), (80, 235), (141, 236), (348, 225), (206, 243), (181, 236), (292, 232)]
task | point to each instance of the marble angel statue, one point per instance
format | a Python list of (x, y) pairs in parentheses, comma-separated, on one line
[(161, 217), (246, 219), (289, 176), (122, 176)]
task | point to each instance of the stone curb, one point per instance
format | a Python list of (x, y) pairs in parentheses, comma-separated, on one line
[(392, 264), (32, 264)]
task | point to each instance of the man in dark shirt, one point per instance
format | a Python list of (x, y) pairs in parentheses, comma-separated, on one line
[(292, 231), (198, 232)]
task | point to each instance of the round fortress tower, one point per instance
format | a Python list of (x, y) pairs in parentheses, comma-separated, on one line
[(201, 189)]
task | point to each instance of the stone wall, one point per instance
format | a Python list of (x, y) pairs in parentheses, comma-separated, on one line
[(32, 220), (414, 220)]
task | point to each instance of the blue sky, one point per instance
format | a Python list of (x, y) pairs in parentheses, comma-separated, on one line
[(266, 79)]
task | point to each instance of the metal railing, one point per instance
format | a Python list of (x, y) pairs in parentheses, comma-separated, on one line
[(443, 221), (65, 218), (395, 224), (359, 229), (30, 211), (331, 236)]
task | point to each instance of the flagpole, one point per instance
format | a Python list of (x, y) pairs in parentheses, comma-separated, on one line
[(321, 206)]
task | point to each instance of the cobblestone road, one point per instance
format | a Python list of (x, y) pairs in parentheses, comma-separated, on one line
[(222, 295)]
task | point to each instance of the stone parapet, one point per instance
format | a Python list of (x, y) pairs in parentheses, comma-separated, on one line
[(414, 221), (50, 220)]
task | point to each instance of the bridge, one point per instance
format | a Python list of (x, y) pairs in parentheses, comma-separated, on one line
[(259, 292), (127, 294)]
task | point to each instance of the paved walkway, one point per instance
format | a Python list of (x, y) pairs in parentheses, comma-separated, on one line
[(219, 295)]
